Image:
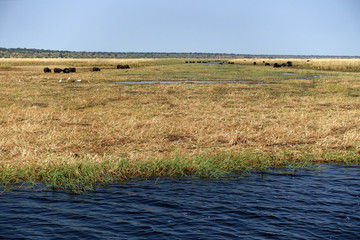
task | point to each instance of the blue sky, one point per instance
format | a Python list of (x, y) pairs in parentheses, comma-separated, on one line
[(286, 27)]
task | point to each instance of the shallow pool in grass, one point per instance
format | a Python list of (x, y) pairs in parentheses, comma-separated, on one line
[(184, 81), (323, 204)]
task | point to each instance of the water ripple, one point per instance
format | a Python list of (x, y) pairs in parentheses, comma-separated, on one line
[(276, 205)]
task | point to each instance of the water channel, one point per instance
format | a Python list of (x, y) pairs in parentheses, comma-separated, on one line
[(323, 204)]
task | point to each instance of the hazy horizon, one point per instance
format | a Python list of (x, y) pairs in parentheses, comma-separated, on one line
[(245, 54)]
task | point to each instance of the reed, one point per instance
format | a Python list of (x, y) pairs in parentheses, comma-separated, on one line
[(82, 175)]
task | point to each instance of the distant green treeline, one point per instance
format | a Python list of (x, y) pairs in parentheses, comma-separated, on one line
[(41, 53)]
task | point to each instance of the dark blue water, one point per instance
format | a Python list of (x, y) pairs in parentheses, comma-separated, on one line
[(308, 205)]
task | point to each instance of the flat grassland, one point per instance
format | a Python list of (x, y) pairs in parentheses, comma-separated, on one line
[(91, 128)]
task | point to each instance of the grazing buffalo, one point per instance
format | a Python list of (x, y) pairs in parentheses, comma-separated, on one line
[(122, 66), (66, 70), (289, 63), (267, 64), (230, 62), (276, 65), (254, 63), (57, 70), (46, 69), (96, 69), (186, 61), (72, 69), (283, 65)]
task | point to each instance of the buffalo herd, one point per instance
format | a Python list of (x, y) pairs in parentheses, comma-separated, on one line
[(276, 65), (219, 62), (126, 66), (59, 70), (287, 64), (72, 69)]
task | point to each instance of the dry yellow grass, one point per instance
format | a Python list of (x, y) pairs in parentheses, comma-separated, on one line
[(332, 64), (42, 120)]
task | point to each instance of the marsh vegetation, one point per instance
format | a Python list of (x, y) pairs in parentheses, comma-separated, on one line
[(75, 134)]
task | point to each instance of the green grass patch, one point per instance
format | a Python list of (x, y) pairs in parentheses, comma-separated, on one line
[(85, 175)]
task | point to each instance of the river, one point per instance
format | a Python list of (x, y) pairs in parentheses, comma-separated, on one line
[(322, 204)]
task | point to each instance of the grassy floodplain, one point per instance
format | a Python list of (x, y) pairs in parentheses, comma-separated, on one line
[(76, 134)]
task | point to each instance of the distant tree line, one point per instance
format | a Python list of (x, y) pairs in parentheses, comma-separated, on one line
[(41, 53)]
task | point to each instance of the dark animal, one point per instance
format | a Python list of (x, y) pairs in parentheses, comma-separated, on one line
[(72, 69), (289, 63), (46, 69), (122, 66), (66, 70), (230, 62), (198, 61), (267, 64), (254, 63), (276, 65), (263, 61), (186, 61), (96, 69), (57, 70), (283, 65)]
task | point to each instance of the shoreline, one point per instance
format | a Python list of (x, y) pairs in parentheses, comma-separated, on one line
[(77, 176)]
